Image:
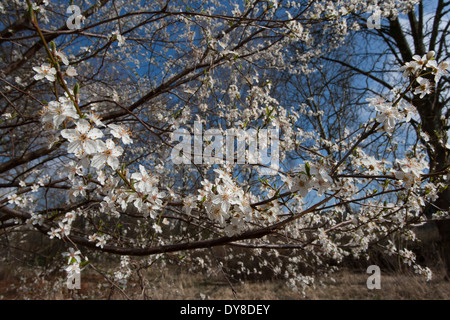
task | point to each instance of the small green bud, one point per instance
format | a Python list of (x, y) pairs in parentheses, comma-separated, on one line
[(53, 46), (76, 89)]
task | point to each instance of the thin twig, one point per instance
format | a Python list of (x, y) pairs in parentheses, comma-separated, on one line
[(111, 282), (224, 273)]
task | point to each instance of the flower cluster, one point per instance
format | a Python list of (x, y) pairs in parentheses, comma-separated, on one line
[(419, 65), (74, 261), (56, 112), (45, 71), (411, 169), (308, 177), (147, 197), (224, 202), (390, 113), (85, 138)]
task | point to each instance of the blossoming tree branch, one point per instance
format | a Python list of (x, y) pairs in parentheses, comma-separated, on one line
[(89, 117)]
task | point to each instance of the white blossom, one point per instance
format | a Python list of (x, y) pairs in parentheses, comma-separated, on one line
[(45, 71)]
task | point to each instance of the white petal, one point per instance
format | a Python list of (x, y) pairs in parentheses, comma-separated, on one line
[(142, 170), (74, 146), (83, 126), (136, 176), (113, 163), (110, 144), (90, 146), (117, 151), (69, 134), (98, 161), (127, 140), (95, 134), (57, 120)]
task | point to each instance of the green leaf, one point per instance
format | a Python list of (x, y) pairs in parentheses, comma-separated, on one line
[(308, 169), (84, 263)]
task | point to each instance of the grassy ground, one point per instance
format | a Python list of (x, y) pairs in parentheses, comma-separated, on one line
[(174, 284)]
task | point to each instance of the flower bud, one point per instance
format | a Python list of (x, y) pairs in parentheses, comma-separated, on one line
[(53, 46), (76, 89)]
